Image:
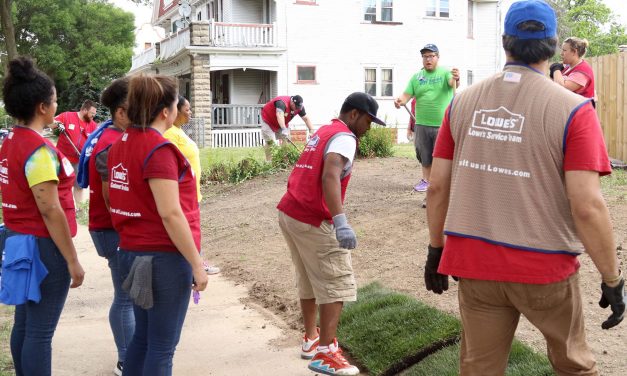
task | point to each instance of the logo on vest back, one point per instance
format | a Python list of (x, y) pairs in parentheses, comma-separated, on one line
[(4, 171), (313, 142), (500, 124), (119, 178)]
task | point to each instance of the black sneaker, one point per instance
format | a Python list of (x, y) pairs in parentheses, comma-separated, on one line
[(118, 369)]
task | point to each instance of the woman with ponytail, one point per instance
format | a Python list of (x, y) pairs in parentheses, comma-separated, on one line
[(36, 182), (154, 208)]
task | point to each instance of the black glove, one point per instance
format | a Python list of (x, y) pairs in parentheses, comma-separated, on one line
[(436, 282), (614, 297), (554, 67)]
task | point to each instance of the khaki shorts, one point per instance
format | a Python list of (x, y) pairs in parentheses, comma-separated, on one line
[(267, 133), (323, 269)]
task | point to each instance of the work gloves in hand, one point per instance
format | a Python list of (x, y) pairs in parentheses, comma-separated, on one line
[(285, 133), (436, 282), (61, 127), (344, 232), (554, 67), (614, 297)]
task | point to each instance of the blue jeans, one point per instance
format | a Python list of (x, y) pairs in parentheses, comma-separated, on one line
[(158, 329), (121, 317), (35, 323)]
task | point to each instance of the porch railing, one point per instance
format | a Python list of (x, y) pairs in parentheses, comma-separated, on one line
[(236, 138), (174, 43), (222, 34), (144, 58), (229, 116)]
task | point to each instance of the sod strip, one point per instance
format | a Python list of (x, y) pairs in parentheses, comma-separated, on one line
[(522, 362), (387, 331)]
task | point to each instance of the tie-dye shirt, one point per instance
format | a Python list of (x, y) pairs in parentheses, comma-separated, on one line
[(42, 166)]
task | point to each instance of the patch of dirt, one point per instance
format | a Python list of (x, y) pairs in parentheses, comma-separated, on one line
[(241, 234)]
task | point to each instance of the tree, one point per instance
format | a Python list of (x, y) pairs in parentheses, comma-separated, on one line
[(8, 30), (81, 44), (592, 20)]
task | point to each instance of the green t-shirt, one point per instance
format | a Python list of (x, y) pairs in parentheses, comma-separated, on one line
[(432, 93)]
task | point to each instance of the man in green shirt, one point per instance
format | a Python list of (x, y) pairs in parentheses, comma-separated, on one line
[(433, 87)]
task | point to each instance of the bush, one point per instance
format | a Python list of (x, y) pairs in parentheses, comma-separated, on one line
[(218, 172), (284, 157), (377, 142), (246, 169)]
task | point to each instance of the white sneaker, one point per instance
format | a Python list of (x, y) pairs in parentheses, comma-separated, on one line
[(211, 269), (309, 347)]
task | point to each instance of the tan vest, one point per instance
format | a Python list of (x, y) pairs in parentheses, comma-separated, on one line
[(507, 183)]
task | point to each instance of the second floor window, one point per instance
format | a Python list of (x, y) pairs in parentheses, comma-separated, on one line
[(438, 8), (378, 10)]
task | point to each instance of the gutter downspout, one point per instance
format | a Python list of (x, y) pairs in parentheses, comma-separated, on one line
[(499, 42)]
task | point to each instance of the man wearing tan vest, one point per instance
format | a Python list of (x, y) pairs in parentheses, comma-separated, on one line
[(515, 187)]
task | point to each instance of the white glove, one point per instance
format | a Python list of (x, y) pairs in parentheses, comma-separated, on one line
[(285, 133)]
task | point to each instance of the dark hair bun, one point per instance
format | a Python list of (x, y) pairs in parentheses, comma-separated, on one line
[(22, 69)]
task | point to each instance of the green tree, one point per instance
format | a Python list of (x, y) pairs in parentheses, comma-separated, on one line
[(592, 20), (81, 44)]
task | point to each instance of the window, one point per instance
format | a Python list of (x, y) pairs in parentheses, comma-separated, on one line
[(471, 17), (378, 10), (386, 10), (199, 16), (386, 82), (437, 8), (469, 77), (370, 10), (306, 74), (372, 82)]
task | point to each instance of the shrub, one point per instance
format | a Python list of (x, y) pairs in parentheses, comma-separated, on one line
[(218, 172), (377, 142), (284, 157), (246, 169)]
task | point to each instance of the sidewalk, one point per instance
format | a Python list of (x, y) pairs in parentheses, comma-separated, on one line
[(221, 336)]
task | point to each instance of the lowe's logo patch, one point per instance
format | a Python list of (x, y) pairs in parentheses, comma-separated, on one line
[(499, 120), (119, 177)]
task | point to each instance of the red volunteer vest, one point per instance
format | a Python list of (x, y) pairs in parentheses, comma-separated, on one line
[(78, 130), (584, 68), (99, 216), (133, 209), (304, 199), (18, 203), (268, 113)]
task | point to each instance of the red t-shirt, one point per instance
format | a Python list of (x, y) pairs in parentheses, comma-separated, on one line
[(78, 130), (476, 259)]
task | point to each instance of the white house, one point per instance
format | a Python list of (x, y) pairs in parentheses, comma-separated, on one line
[(231, 56)]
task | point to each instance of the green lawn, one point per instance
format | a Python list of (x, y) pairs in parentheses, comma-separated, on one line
[(387, 332), (211, 156)]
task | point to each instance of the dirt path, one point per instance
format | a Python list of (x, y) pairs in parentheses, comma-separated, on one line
[(222, 335), (241, 232)]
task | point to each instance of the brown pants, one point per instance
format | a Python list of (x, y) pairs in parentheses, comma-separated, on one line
[(490, 312)]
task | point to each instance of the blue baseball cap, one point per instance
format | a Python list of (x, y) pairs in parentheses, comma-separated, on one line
[(531, 10), (430, 47)]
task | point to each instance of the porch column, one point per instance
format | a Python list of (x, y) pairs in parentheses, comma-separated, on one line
[(201, 92)]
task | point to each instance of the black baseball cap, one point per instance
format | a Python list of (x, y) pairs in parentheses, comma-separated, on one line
[(430, 47), (298, 101), (366, 103)]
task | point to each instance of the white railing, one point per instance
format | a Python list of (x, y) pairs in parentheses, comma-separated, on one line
[(174, 43), (236, 138), (144, 58), (222, 34), (236, 115)]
